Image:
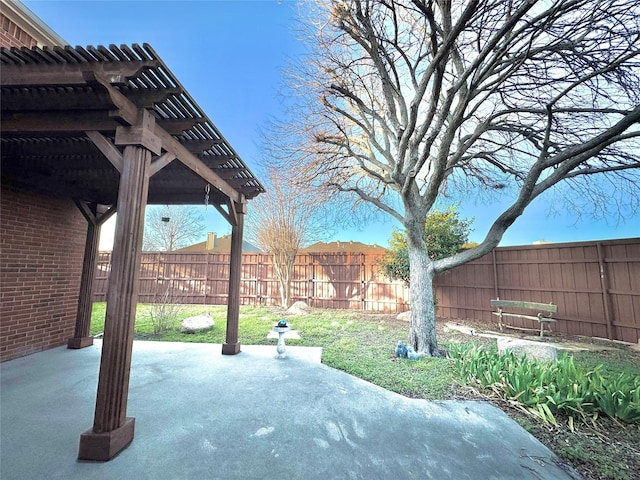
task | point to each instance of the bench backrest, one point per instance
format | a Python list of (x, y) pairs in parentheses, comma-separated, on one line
[(545, 307)]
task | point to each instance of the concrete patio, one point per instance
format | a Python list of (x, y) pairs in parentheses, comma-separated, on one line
[(202, 415)]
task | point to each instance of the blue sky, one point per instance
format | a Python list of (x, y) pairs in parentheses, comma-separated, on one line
[(229, 56)]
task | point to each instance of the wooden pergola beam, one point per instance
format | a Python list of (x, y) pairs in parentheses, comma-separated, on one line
[(175, 126), (34, 122), (197, 166), (198, 146), (70, 74), (127, 112), (25, 100)]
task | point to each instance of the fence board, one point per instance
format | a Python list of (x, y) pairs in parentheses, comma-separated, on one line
[(596, 285)]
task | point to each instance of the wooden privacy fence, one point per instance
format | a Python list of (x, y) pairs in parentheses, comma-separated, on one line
[(596, 285), (335, 280)]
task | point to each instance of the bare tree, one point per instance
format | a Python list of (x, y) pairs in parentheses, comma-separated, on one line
[(410, 101), (168, 227), (283, 220)]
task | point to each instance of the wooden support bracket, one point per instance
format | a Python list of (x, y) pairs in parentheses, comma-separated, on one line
[(90, 212), (161, 162), (108, 149)]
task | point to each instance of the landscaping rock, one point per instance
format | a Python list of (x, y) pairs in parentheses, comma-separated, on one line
[(537, 350), (199, 323), (299, 308), (405, 316)]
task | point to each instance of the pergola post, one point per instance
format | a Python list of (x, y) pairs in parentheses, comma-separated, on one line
[(112, 430), (232, 345), (81, 337)]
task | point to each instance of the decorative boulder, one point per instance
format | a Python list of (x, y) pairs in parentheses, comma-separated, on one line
[(299, 308), (199, 323), (405, 316), (536, 350)]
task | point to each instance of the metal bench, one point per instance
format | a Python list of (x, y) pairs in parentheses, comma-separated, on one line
[(544, 315)]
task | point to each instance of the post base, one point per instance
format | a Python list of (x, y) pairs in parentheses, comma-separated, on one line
[(231, 348), (80, 342), (104, 446)]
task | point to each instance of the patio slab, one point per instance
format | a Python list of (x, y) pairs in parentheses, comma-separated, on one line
[(202, 415)]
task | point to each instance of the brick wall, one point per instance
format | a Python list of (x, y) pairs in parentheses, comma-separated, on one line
[(41, 251), (13, 36)]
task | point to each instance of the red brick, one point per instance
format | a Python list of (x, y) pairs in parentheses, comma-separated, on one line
[(41, 250)]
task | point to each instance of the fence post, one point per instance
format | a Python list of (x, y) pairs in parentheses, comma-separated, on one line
[(495, 272), (206, 278), (266, 282), (604, 285), (256, 280), (363, 282), (310, 289)]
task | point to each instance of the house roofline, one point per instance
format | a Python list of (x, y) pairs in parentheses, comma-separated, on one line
[(22, 16)]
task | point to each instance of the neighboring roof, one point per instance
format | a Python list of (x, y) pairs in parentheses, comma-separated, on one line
[(54, 97), (343, 247), (218, 245)]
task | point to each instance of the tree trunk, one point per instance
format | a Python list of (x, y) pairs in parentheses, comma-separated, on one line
[(283, 271), (277, 266), (287, 285), (422, 335)]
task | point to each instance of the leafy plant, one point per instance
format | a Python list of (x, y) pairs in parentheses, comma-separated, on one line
[(619, 398), (445, 234), (544, 389)]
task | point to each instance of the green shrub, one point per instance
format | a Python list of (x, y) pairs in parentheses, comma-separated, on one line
[(546, 389), (619, 398)]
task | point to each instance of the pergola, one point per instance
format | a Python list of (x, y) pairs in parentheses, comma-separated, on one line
[(114, 130)]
